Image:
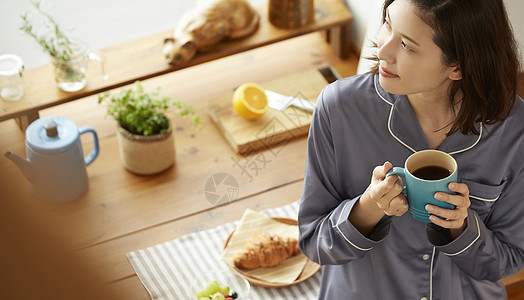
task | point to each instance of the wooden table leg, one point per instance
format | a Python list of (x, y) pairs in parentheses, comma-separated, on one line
[(340, 39), (24, 120)]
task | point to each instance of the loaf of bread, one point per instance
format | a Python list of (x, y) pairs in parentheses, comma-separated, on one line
[(266, 250), (210, 22)]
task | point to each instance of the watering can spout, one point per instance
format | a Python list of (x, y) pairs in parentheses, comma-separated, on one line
[(22, 164)]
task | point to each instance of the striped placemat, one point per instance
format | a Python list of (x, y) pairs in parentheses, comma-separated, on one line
[(166, 270)]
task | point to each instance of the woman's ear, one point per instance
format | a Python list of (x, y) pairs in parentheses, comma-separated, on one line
[(455, 73)]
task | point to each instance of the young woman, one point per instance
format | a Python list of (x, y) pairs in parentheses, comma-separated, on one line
[(446, 79)]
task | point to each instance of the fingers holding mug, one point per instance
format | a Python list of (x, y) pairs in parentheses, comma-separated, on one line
[(451, 218), (397, 206), (390, 188)]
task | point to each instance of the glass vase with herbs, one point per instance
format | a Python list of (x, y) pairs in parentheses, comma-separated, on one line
[(69, 57)]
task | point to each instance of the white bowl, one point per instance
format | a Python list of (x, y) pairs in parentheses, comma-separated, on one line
[(223, 277)]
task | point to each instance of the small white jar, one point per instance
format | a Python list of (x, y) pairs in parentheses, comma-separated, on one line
[(11, 84)]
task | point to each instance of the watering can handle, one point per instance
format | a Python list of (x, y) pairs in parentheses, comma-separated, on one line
[(91, 156)]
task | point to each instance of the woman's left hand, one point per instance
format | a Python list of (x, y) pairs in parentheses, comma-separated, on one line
[(454, 219)]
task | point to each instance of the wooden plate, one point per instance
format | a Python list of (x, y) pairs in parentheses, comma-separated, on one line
[(309, 269)]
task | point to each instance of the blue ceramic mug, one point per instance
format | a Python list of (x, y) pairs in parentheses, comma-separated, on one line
[(425, 173)]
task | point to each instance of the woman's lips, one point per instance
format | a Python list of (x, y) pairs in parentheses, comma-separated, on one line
[(386, 73)]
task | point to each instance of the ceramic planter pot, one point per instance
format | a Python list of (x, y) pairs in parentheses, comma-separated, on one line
[(146, 155)]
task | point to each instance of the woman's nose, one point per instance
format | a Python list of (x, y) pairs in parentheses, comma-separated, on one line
[(386, 50)]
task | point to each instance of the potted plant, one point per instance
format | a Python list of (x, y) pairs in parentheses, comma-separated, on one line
[(144, 132)]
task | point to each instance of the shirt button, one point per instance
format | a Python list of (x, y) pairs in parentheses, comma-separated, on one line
[(424, 298), (425, 257)]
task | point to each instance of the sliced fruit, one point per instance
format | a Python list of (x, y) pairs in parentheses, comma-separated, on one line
[(250, 100)]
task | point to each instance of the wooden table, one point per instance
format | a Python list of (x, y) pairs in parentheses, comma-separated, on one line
[(142, 58), (123, 212)]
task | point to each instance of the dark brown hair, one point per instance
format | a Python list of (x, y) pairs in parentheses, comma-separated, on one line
[(476, 35)]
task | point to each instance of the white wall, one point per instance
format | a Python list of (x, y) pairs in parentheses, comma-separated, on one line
[(364, 12), (366, 22), (515, 10)]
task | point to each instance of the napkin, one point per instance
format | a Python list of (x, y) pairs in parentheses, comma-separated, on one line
[(252, 223)]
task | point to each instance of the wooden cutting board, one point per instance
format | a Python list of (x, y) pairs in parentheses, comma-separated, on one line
[(275, 128)]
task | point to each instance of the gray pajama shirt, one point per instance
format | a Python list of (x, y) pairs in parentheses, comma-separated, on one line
[(356, 126)]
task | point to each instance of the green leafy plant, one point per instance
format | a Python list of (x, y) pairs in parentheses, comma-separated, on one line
[(55, 42), (143, 113)]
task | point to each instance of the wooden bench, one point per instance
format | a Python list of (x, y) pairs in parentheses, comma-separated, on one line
[(142, 58)]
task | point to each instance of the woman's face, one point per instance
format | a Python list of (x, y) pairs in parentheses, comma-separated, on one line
[(410, 61)]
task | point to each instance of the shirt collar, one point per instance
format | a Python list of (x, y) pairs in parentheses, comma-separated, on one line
[(404, 127)]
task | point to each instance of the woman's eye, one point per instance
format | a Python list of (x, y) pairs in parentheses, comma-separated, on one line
[(386, 24), (405, 46)]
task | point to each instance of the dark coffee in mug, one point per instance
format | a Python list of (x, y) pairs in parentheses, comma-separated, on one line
[(431, 173)]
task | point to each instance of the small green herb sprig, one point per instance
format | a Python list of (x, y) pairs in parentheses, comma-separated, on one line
[(55, 42), (143, 113)]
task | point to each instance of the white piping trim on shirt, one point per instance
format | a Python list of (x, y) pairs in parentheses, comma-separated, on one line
[(378, 93), (484, 199), (391, 131), (406, 145), (478, 236), (474, 144), (431, 276), (389, 118), (344, 236)]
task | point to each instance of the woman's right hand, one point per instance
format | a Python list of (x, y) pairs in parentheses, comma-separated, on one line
[(382, 197), (385, 192)]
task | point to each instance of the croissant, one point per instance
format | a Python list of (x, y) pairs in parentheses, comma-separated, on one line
[(266, 250)]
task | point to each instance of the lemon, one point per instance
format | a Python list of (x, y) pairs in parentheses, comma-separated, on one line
[(250, 100)]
